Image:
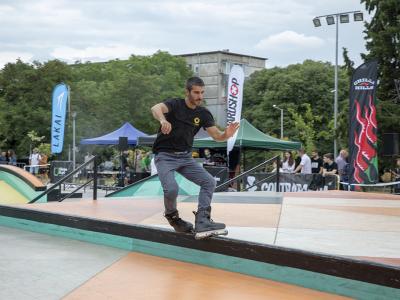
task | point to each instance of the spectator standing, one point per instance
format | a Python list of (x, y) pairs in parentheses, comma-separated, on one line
[(208, 158), (341, 161), (3, 157), (145, 163), (288, 163), (34, 161), (316, 162), (396, 171), (396, 176), (343, 167), (305, 164), (138, 161), (89, 167), (153, 168), (12, 157), (330, 167), (43, 169)]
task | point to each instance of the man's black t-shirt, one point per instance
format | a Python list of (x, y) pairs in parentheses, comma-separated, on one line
[(186, 122), (331, 167), (316, 165)]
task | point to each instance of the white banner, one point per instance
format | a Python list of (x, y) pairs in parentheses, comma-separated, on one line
[(235, 97)]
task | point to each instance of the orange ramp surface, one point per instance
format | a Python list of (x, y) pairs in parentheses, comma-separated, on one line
[(140, 276)]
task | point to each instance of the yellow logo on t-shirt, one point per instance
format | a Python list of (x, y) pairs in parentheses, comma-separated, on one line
[(196, 121)]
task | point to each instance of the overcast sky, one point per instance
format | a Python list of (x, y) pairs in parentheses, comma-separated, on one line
[(99, 30)]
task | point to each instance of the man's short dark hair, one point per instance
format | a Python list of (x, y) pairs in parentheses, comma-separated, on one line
[(329, 155), (194, 81)]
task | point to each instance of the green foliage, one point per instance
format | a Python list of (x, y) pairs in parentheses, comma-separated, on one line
[(25, 101), (304, 125), (383, 43), (45, 148), (120, 91), (304, 92), (104, 95)]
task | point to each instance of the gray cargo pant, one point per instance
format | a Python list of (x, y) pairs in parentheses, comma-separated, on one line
[(183, 163)]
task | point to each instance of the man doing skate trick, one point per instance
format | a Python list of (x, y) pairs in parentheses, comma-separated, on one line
[(180, 120)]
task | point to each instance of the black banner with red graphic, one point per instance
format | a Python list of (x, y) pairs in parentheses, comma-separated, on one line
[(363, 157)]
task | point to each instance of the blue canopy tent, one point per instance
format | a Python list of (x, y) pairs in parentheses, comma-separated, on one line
[(112, 138)]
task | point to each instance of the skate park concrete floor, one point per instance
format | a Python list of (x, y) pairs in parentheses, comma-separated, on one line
[(38, 266)]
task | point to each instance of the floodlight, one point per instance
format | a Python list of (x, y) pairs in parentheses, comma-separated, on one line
[(344, 18), (358, 16), (317, 22), (330, 20)]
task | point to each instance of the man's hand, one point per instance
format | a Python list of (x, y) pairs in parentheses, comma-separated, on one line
[(231, 129), (222, 136), (165, 126)]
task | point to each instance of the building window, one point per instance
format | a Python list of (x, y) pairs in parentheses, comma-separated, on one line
[(225, 67)]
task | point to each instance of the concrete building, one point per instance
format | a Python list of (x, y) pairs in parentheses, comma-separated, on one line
[(214, 67)]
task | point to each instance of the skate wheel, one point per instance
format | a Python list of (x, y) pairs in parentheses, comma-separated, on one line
[(207, 234)]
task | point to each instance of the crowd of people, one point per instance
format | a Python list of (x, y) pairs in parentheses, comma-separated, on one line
[(328, 165), (325, 165), (37, 162), (142, 162), (315, 164), (8, 157)]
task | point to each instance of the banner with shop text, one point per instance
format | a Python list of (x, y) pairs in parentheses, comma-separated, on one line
[(363, 157), (59, 111), (234, 101)]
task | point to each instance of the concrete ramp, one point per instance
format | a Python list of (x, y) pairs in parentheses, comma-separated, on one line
[(151, 186), (9, 194), (18, 186)]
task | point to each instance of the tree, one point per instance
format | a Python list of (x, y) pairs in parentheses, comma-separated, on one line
[(383, 43), (26, 100), (120, 91), (304, 92), (104, 95)]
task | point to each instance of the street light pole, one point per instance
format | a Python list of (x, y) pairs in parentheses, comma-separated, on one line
[(73, 140), (335, 101), (277, 107), (330, 19)]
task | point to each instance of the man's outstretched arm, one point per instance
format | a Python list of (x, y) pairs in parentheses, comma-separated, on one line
[(221, 136), (158, 112)]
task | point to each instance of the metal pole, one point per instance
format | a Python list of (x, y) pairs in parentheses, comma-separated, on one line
[(73, 140), (278, 164), (281, 124), (335, 105), (95, 165), (277, 107), (336, 90)]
